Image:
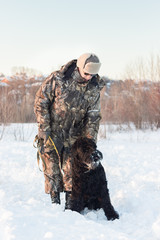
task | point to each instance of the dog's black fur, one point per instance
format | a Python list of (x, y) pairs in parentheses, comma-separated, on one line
[(89, 179)]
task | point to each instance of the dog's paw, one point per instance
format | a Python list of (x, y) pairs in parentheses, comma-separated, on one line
[(113, 216)]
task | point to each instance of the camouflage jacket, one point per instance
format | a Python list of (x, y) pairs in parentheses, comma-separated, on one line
[(66, 107)]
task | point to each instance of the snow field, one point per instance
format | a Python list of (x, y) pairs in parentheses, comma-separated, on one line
[(132, 165)]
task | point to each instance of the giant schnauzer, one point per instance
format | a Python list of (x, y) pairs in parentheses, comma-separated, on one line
[(89, 180)]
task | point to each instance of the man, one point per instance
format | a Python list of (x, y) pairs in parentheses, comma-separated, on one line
[(67, 106)]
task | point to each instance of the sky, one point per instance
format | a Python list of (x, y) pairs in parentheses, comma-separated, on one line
[(45, 34)]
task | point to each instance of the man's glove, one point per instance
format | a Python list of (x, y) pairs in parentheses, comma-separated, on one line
[(44, 136)]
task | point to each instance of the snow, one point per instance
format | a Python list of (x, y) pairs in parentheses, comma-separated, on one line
[(132, 164)]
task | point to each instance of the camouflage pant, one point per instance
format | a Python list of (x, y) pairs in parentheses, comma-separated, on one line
[(57, 179)]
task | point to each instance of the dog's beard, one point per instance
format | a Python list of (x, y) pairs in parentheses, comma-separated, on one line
[(92, 165)]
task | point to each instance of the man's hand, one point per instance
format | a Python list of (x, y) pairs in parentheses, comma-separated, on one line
[(44, 136)]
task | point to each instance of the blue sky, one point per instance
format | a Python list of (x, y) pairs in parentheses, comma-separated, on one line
[(45, 34)]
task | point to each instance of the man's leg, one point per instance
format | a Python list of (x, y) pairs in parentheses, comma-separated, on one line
[(67, 177), (53, 177)]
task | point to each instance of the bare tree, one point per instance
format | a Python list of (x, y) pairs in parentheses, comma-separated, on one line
[(144, 69)]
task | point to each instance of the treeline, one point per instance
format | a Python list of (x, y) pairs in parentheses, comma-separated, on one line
[(122, 102), (17, 96), (126, 102)]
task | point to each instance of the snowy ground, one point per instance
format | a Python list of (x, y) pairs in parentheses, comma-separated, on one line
[(132, 164)]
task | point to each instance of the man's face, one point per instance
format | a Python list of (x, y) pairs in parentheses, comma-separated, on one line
[(86, 76)]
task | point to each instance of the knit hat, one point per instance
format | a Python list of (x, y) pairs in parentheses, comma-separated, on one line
[(89, 63)]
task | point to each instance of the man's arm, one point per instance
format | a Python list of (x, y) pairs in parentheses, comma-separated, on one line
[(44, 98), (92, 120)]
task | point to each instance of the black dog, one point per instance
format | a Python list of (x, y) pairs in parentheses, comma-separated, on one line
[(89, 179)]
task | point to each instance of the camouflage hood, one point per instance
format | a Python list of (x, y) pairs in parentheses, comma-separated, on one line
[(70, 69)]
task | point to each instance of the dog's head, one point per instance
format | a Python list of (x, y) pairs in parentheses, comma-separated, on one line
[(85, 153)]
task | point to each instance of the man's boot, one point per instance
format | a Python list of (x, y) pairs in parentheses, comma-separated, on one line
[(68, 200), (55, 197)]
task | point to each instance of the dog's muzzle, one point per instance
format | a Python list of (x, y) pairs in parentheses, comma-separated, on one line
[(96, 157)]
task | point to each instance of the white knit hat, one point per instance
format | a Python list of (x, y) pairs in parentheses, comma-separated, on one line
[(89, 63)]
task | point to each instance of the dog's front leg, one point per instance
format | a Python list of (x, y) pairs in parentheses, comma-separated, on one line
[(78, 204), (109, 211)]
